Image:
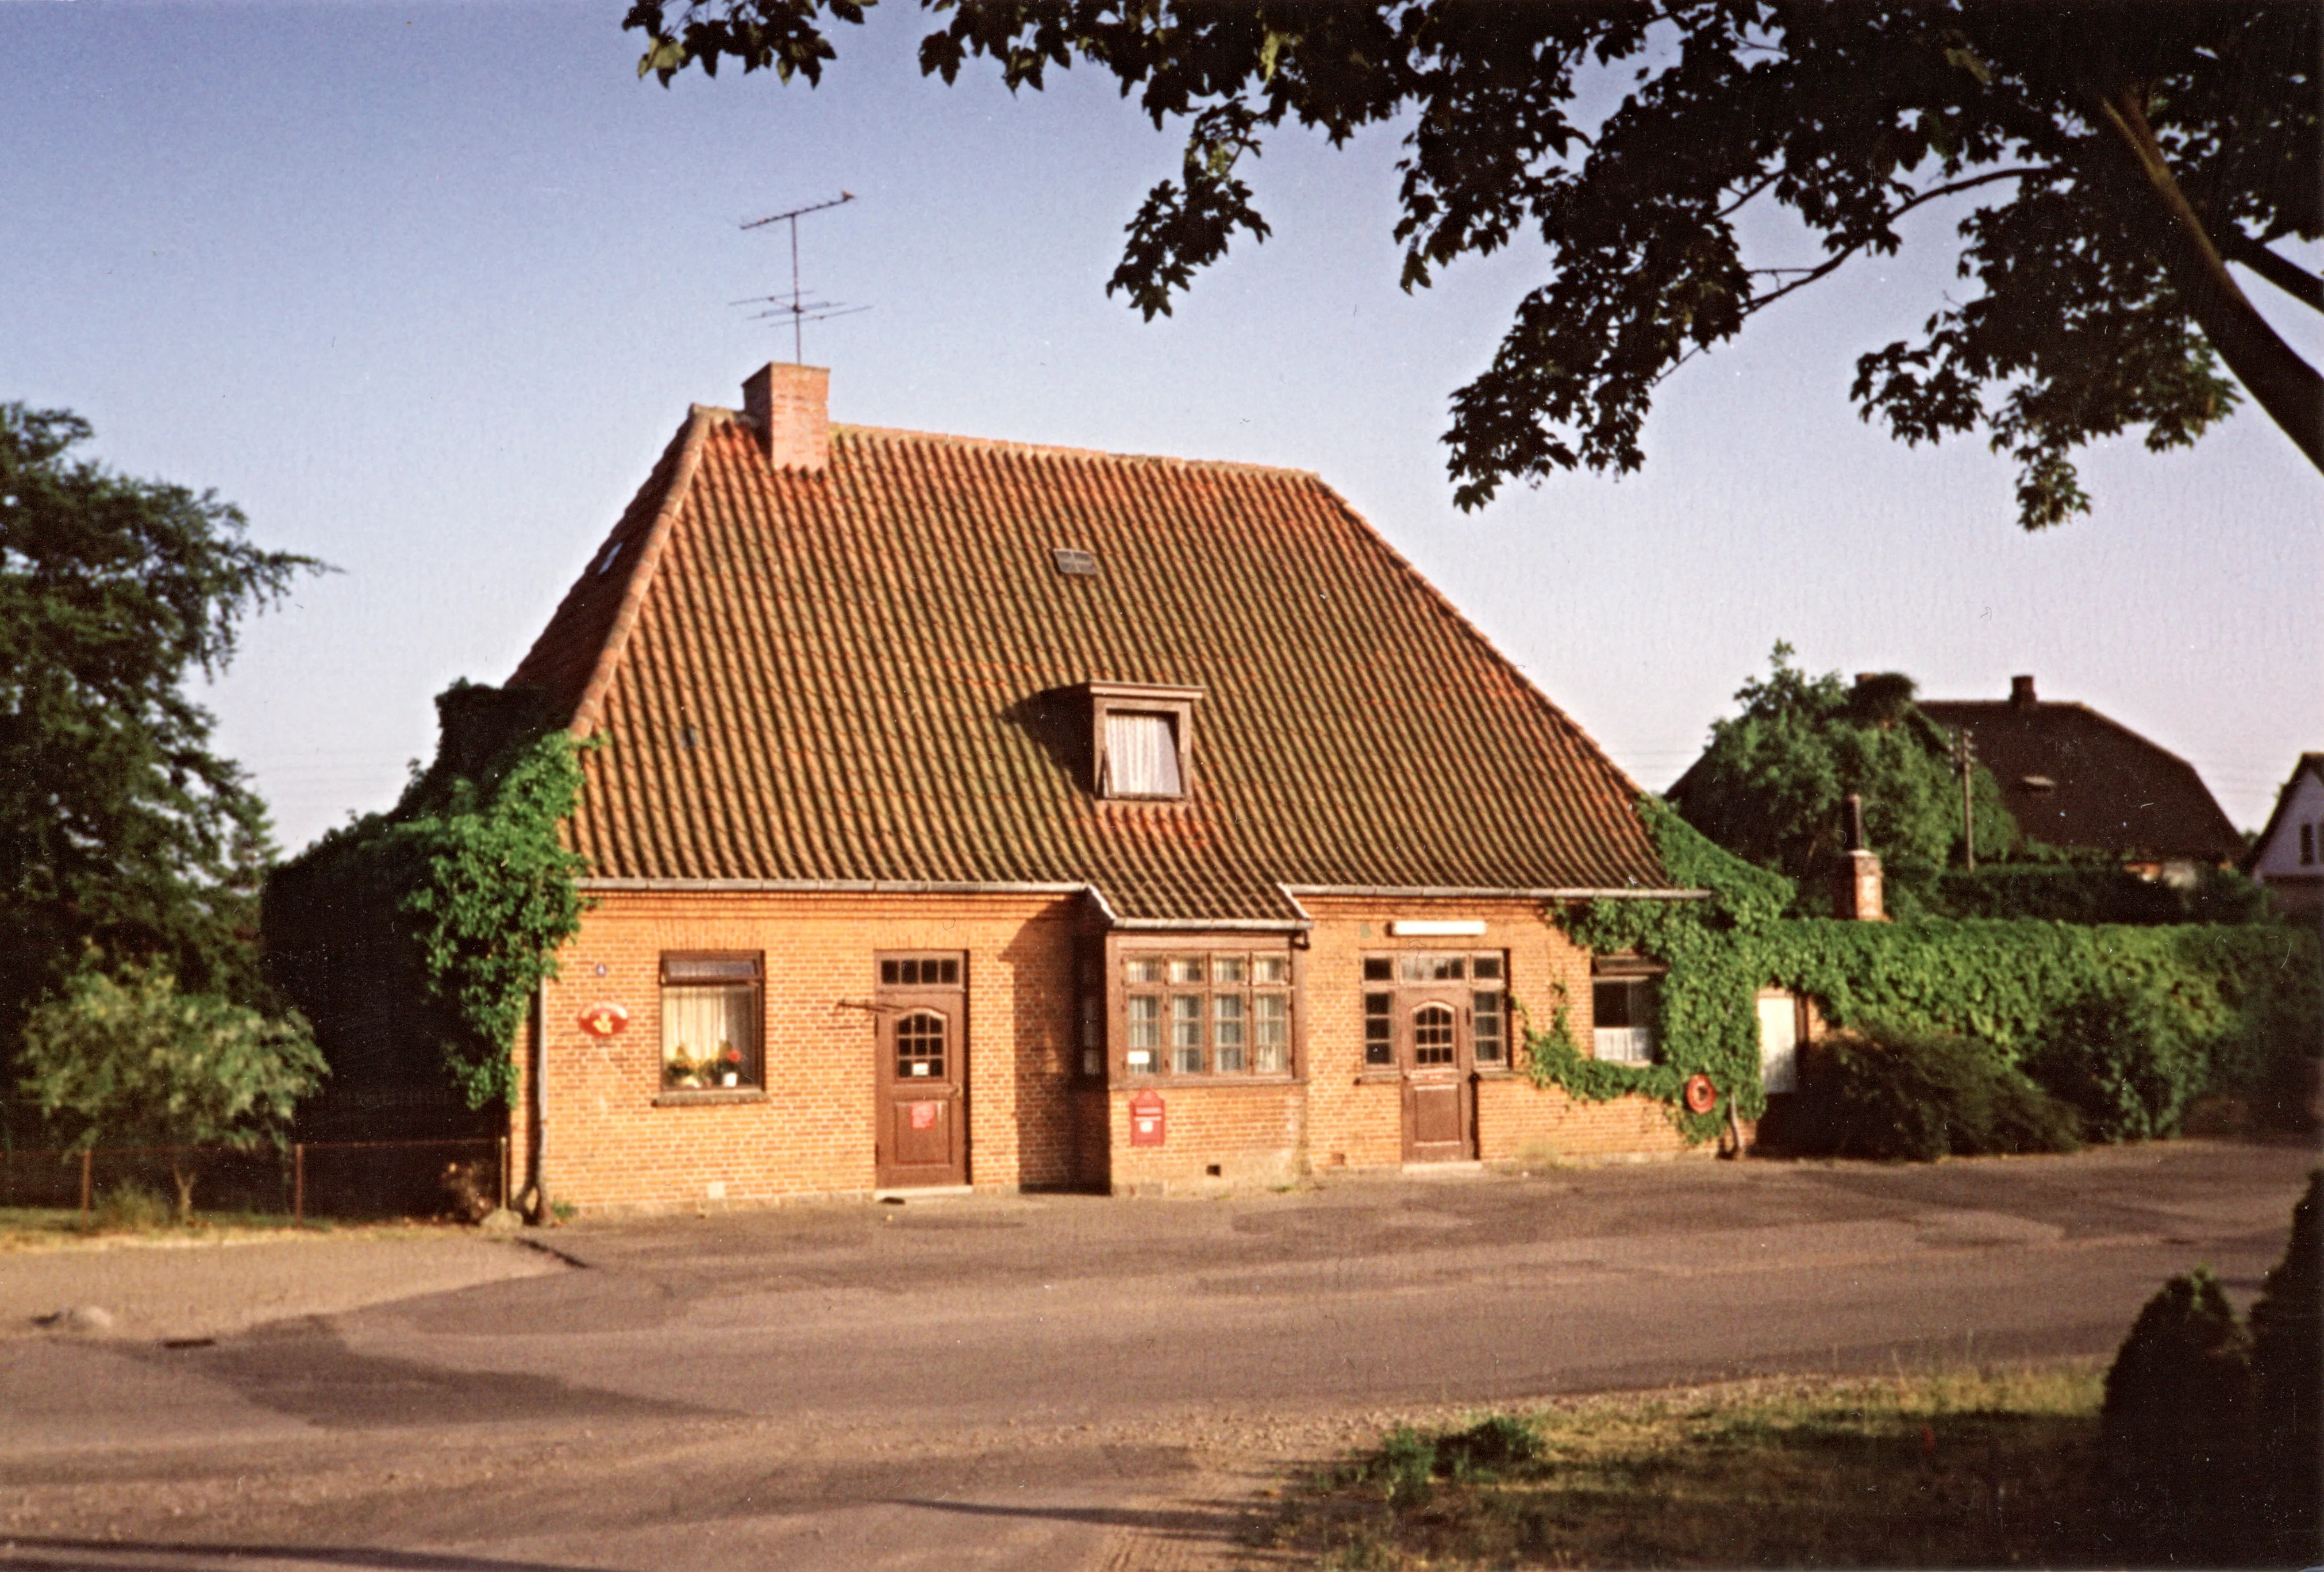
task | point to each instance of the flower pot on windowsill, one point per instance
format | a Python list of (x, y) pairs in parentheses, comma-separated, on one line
[(729, 1079)]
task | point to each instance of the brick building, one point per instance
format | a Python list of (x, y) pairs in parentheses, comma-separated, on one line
[(973, 813)]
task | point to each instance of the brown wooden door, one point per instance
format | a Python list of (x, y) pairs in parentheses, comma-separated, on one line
[(1440, 1087), (922, 1098)]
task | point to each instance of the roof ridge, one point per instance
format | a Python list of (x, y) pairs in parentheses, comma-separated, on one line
[(699, 419), (1042, 450)]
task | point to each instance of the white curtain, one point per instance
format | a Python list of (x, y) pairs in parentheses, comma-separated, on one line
[(1141, 756), (701, 1023)]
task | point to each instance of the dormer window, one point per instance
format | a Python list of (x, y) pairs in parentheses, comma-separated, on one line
[(1142, 739)]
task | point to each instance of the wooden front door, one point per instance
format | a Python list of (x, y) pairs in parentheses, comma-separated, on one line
[(1440, 1084), (923, 1073)]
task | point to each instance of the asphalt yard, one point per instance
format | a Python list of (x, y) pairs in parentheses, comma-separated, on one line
[(1047, 1381)]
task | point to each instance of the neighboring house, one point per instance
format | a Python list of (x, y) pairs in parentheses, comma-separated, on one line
[(969, 812), (2072, 778), (2289, 856)]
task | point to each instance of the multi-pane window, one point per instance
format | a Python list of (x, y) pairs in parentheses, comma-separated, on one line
[(920, 972), (710, 1012), (1206, 1014), (1482, 977), (920, 1046)]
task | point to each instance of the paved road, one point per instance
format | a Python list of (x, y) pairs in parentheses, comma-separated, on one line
[(1058, 1381)]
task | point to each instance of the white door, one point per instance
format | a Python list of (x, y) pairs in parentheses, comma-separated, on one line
[(1779, 1043)]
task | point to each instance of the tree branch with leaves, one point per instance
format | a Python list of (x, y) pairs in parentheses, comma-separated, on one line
[(2126, 156)]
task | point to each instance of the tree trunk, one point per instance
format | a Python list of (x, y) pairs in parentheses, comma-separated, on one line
[(2286, 386), (185, 1175)]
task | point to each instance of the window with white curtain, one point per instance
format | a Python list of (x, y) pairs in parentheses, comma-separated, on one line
[(710, 1011), (1141, 755)]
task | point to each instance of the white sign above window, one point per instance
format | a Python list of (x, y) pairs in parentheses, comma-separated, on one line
[(1436, 927)]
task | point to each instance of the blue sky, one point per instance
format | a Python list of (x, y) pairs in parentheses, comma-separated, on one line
[(425, 289)]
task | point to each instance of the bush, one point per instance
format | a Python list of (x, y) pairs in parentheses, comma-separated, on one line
[(2177, 1402), (2123, 1063), (1882, 1093)]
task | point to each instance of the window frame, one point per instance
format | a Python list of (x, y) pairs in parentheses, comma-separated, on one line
[(751, 1077), (1175, 705), (1389, 986), (1637, 974), (1154, 1002)]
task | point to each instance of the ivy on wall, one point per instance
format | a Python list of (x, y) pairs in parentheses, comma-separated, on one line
[(430, 926), (2195, 1007)]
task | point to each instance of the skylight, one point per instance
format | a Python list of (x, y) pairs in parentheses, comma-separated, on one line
[(1074, 563)]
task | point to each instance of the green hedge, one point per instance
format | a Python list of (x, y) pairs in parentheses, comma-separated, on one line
[(2129, 1023)]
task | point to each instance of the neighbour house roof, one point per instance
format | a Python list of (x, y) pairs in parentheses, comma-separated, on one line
[(2310, 764), (873, 672), (2073, 778)]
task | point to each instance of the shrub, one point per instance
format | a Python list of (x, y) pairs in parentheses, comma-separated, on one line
[(2123, 1062), (2177, 1402), (2287, 1358), (1882, 1093), (1488, 1449)]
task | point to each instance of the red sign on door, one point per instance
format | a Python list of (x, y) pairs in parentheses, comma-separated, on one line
[(924, 1116), (1149, 1120)]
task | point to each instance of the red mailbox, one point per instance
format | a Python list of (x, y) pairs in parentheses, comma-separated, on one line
[(1149, 1120)]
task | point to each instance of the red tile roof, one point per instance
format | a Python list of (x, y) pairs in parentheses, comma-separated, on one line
[(865, 674)]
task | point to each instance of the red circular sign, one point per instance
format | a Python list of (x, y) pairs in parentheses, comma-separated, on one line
[(1702, 1097), (604, 1020)]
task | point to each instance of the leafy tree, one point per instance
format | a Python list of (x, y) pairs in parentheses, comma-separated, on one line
[(1771, 786), (119, 827), (2124, 154), (131, 1061)]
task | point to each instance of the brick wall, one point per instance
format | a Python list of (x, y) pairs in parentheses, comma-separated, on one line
[(1031, 1122), (612, 1146)]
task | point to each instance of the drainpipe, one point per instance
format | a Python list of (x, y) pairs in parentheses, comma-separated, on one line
[(542, 1212)]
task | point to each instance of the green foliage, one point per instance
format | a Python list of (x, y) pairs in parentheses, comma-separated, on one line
[(1772, 785), (2103, 161), (457, 899), (2131, 1022), (1921, 1096), (134, 1062), (2066, 890), (119, 827)]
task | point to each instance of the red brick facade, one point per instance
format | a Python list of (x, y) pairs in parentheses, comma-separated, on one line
[(617, 1141)]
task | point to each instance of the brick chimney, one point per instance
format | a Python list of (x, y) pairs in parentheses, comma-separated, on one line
[(2021, 692), (1858, 893), (791, 407)]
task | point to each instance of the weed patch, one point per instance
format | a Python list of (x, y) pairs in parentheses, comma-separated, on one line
[(1964, 1468)]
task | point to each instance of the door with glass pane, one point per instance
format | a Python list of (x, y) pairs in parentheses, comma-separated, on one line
[(1440, 1110), (923, 1071)]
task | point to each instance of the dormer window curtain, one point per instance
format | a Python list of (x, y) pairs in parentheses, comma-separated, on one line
[(1142, 738)]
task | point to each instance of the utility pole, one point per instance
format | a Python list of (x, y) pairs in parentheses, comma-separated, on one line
[(1965, 758)]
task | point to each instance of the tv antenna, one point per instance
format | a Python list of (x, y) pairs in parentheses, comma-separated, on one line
[(798, 307)]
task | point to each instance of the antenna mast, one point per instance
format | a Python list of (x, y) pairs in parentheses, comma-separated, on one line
[(798, 308)]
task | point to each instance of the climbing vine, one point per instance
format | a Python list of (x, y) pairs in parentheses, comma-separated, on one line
[(2212, 1007), (457, 901)]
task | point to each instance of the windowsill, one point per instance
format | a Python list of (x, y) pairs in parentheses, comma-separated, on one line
[(677, 1098)]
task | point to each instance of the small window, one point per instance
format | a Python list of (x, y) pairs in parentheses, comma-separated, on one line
[(1142, 969), (1434, 968), (1379, 969), (1431, 1035), (1270, 969), (920, 972), (1187, 1034), (1074, 563), (1187, 968), (1271, 1043), (710, 1015), (920, 1046), (1145, 1033), (1490, 1027), (2307, 844), (605, 563), (1141, 756), (1623, 1011), (1379, 1029)]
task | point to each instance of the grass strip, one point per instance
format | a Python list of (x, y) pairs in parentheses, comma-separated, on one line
[(1982, 1467)]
